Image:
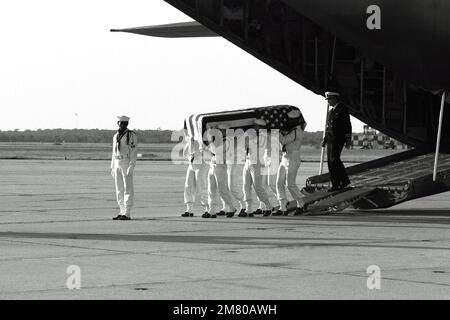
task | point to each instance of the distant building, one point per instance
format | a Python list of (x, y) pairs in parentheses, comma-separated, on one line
[(372, 139)]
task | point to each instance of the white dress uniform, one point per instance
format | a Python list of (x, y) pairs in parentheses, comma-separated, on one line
[(218, 182), (288, 168), (235, 158), (269, 177), (196, 183), (123, 161), (252, 176)]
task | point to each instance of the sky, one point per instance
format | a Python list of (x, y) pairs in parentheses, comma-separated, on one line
[(60, 67)]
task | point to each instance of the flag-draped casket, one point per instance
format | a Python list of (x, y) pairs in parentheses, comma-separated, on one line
[(276, 117)]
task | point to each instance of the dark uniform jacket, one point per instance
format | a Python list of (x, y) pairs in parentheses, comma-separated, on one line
[(339, 127)]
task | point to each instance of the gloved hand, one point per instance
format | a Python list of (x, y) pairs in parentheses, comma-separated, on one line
[(130, 170), (113, 172), (324, 143)]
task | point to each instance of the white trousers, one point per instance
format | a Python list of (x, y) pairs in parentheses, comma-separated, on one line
[(269, 182), (287, 174), (235, 183), (196, 184), (218, 188), (124, 187), (252, 176)]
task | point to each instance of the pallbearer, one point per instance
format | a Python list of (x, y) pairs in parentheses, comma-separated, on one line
[(269, 176), (123, 161), (196, 183), (217, 177), (252, 172), (291, 142)]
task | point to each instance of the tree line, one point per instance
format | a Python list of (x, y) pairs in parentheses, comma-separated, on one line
[(105, 136)]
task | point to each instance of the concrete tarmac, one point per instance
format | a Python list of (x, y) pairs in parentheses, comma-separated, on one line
[(56, 214)]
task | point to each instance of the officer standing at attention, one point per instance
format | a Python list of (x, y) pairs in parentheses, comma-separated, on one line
[(338, 133), (123, 161)]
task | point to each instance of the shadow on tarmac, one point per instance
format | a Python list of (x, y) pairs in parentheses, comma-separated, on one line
[(230, 240)]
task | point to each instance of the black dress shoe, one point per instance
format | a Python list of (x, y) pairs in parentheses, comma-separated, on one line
[(122, 217), (344, 186), (187, 214), (258, 211), (221, 213), (206, 215), (213, 216), (278, 213), (267, 213), (117, 218), (230, 214), (242, 213), (299, 211)]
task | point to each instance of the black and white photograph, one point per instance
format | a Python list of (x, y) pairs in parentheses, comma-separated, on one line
[(225, 156)]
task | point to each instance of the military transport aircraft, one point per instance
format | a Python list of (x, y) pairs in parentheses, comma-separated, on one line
[(389, 59)]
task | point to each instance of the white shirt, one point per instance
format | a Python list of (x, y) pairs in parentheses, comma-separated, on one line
[(126, 153)]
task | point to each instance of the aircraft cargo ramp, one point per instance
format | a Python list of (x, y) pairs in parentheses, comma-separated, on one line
[(386, 182)]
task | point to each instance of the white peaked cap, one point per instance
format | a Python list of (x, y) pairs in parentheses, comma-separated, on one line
[(330, 94), (123, 118)]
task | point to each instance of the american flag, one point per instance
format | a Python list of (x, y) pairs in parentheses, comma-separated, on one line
[(276, 117)]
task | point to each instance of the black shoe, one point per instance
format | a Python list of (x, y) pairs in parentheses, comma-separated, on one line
[(267, 213), (206, 215), (221, 213), (213, 216), (122, 217), (258, 211), (118, 217), (230, 214), (344, 186), (299, 211), (242, 213), (278, 213), (187, 214)]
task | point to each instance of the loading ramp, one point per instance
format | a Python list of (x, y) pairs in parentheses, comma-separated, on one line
[(382, 183)]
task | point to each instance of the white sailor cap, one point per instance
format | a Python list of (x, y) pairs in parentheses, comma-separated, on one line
[(260, 122), (123, 118), (294, 114), (329, 95)]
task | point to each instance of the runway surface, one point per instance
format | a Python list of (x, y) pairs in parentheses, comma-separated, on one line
[(55, 214)]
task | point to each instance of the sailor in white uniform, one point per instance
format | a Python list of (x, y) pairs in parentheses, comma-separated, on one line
[(271, 159), (235, 159), (252, 173), (218, 179), (196, 183), (123, 161), (290, 162)]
